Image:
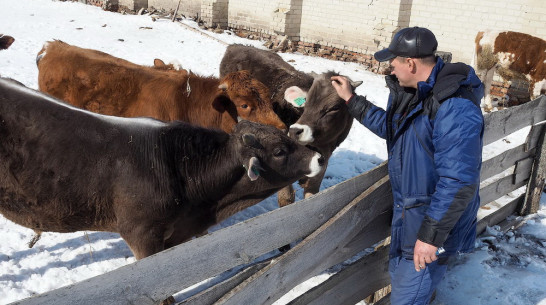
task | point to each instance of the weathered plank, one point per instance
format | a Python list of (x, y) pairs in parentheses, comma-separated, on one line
[(352, 284), (499, 215), (386, 300), (378, 229), (502, 187), (534, 134), (537, 180), (503, 161), (215, 292), (522, 170), (150, 280), (499, 124), (323, 245)]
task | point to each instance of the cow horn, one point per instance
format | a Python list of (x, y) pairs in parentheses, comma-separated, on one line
[(250, 140), (223, 86), (355, 84)]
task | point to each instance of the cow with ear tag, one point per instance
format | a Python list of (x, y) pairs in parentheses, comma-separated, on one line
[(306, 102), (157, 184), (270, 160)]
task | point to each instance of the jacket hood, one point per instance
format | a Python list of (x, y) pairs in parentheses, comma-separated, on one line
[(446, 78)]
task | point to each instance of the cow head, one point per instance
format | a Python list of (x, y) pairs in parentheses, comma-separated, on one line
[(325, 117), (250, 99), (5, 41), (269, 154)]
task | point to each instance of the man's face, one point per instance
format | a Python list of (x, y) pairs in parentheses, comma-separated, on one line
[(402, 67)]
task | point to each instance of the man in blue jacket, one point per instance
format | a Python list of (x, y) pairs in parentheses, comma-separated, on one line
[(433, 126)]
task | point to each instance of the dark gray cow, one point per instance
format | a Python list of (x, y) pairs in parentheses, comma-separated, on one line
[(322, 122), (64, 169), (5, 41)]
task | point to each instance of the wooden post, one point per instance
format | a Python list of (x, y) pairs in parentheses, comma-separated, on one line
[(536, 182), (176, 11)]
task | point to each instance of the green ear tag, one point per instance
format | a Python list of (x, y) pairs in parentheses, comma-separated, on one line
[(255, 171), (300, 101)]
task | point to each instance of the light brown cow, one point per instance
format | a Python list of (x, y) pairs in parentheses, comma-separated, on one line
[(511, 55), (105, 84)]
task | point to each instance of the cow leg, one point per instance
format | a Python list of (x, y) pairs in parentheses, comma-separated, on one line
[(537, 88), (35, 238), (186, 228), (488, 79), (286, 196), (144, 240), (311, 186)]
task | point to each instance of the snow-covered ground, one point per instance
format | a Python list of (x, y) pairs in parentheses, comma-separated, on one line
[(505, 269)]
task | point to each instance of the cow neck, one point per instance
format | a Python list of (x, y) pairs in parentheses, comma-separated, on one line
[(205, 160)]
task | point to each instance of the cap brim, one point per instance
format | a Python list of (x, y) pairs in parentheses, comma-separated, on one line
[(384, 55)]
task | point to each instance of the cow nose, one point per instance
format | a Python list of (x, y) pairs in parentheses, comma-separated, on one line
[(295, 132), (321, 160)]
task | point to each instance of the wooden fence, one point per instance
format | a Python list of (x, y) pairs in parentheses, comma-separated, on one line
[(333, 226)]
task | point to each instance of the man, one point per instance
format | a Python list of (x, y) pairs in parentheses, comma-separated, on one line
[(433, 126)]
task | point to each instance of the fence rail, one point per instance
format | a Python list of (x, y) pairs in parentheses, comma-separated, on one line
[(335, 225)]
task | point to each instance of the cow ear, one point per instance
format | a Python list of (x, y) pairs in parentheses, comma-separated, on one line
[(158, 63), (5, 41), (295, 96), (220, 103), (253, 168), (355, 84)]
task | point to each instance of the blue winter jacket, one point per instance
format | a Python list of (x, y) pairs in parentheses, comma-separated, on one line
[(434, 139)]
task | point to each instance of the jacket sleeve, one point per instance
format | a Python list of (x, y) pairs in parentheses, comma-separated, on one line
[(458, 141), (369, 115)]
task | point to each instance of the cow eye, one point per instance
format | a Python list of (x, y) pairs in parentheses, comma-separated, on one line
[(278, 152), (244, 106)]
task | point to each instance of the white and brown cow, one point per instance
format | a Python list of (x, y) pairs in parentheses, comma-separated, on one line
[(511, 55)]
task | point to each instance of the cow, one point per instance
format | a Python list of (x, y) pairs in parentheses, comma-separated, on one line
[(5, 41), (511, 55), (105, 84), (308, 104), (157, 184)]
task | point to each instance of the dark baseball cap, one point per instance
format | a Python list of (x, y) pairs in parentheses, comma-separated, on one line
[(409, 42)]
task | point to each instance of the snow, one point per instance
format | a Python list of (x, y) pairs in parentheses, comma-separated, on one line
[(506, 268)]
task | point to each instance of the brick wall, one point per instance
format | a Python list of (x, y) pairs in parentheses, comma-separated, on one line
[(262, 16), (457, 22), (343, 28), (188, 8)]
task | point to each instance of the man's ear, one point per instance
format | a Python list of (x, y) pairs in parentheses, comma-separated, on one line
[(411, 63)]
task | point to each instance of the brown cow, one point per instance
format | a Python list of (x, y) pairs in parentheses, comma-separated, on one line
[(308, 104), (102, 83), (5, 41), (511, 55)]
